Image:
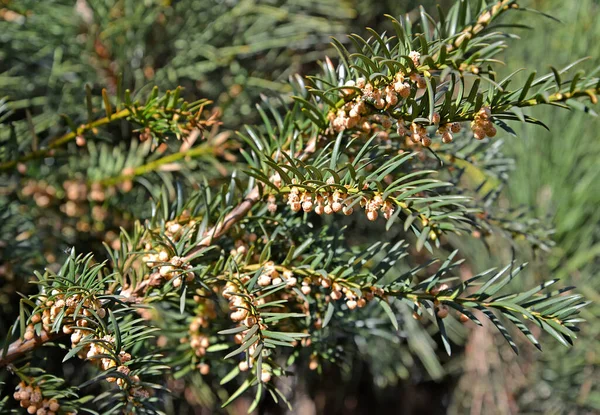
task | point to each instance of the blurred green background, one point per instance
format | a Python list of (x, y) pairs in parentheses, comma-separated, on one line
[(233, 52)]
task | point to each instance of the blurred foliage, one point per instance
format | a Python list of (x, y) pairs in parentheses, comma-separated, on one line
[(557, 174)]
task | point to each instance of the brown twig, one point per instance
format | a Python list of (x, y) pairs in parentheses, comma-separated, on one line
[(21, 346)]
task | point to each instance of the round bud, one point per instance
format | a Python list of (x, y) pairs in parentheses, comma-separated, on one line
[(307, 206), (372, 215), (336, 295), (351, 304), (101, 312), (243, 366), (265, 376), (478, 133), (264, 280), (204, 369), (442, 311), (491, 131), (250, 321), (446, 137)]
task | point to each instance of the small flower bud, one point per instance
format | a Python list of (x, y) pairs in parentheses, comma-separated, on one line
[(53, 405), (415, 57), (490, 131), (446, 137), (307, 206), (372, 215), (264, 280), (204, 369), (442, 311), (265, 376), (478, 133)]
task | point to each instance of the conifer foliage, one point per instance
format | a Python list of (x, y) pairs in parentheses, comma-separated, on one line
[(288, 244)]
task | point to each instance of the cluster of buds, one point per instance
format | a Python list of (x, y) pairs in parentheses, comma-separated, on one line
[(169, 268), (339, 291), (74, 202), (242, 243), (336, 201), (376, 204), (482, 125), (354, 113), (270, 276), (441, 309), (237, 303), (205, 312), (351, 115), (447, 130), (174, 229), (401, 87), (322, 203), (60, 301), (30, 397), (415, 57), (41, 192), (271, 199), (418, 134), (93, 351), (77, 192), (248, 362)]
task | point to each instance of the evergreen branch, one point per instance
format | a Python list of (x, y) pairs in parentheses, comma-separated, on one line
[(198, 151), (64, 139), (22, 346)]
